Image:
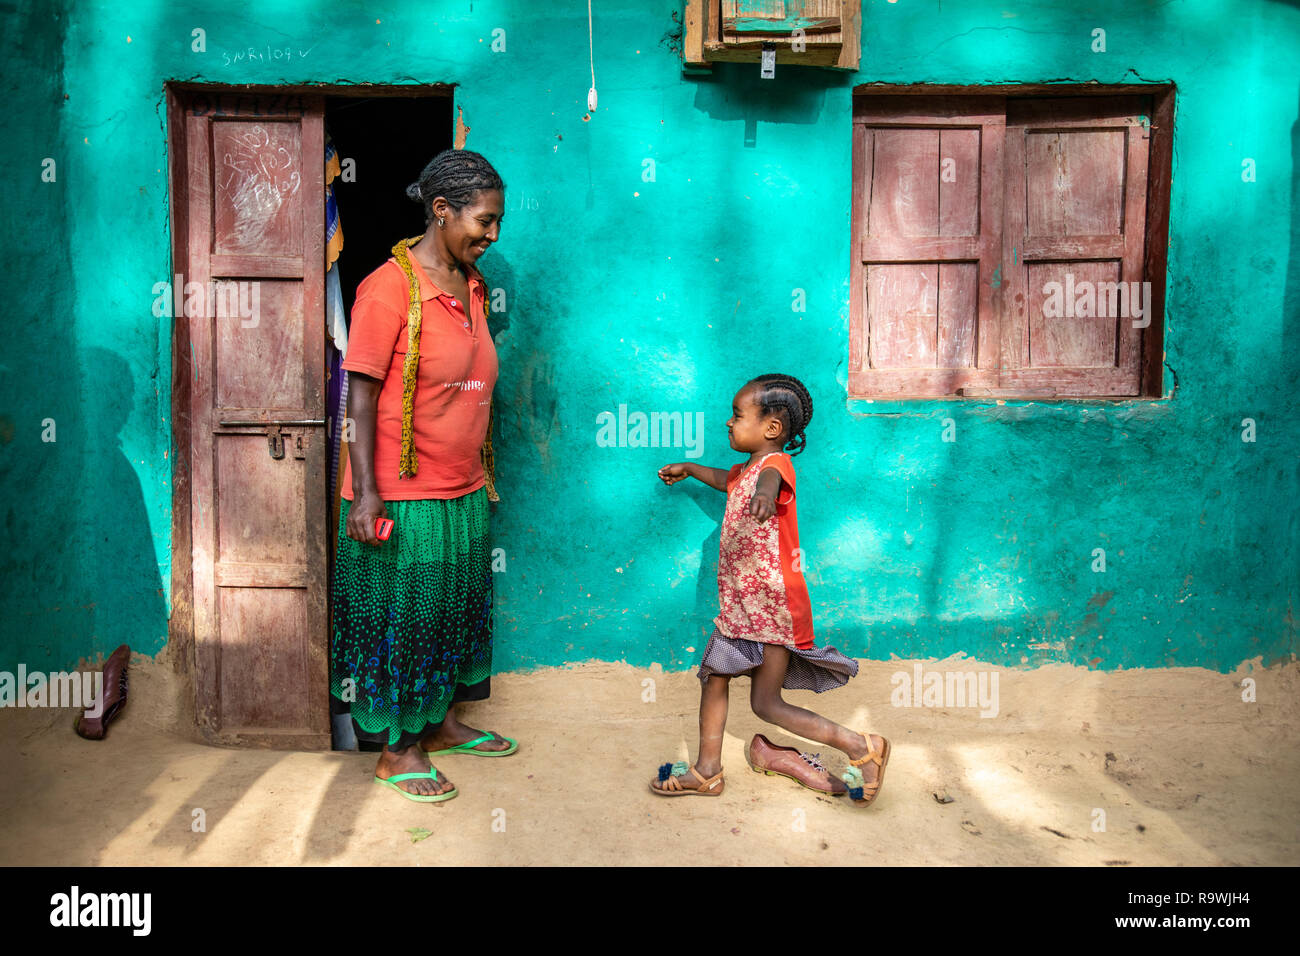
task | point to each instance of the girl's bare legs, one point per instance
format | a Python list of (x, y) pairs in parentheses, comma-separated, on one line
[(765, 698), (713, 720)]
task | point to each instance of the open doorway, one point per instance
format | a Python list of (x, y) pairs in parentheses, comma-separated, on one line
[(255, 480), (382, 144), (390, 139)]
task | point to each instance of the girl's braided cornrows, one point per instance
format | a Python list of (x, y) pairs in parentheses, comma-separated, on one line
[(456, 175), (786, 397)]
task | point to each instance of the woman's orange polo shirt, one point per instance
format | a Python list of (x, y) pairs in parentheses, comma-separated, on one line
[(458, 370)]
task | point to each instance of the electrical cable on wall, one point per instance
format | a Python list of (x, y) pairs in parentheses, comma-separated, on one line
[(591, 93)]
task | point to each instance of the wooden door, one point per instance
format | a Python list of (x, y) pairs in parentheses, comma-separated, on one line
[(254, 198)]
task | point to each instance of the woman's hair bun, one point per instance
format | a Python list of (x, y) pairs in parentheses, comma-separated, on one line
[(455, 175)]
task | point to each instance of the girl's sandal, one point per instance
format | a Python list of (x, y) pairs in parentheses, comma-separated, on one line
[(861, 792), (671, 785)]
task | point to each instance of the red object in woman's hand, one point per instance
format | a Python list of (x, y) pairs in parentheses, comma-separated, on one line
[(383, 528)]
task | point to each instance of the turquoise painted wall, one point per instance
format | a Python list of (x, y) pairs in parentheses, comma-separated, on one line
[(666, 296)]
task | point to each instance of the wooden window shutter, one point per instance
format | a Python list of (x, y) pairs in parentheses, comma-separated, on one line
[(927, 215), (1073, 245)]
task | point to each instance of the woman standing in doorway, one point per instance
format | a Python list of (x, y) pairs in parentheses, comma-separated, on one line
[(413, 613)]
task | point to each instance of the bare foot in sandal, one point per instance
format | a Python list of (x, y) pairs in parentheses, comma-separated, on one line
[(446, 740), (672, 781), (866, 773), (452, 733), (410, 760)]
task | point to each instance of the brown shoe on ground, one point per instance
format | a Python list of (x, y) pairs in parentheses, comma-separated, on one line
[(114, 696), (804, 769)]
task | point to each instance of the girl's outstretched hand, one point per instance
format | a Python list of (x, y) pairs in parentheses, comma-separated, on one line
[(671, 474), (761, 506)]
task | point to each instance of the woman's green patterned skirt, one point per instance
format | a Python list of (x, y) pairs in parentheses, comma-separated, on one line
[(413, 618)]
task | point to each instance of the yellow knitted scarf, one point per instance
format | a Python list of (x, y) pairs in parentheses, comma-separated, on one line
[(409, 464)]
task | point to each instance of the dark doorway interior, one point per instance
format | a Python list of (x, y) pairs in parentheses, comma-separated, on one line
[(391, 139), (383, 142)]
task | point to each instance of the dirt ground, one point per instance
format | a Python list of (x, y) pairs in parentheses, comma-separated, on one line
[(1184, 771)]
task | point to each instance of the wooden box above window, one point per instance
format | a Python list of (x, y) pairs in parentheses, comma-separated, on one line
[(803, 32)]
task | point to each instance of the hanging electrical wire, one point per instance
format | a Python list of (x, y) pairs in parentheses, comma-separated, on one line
[(591, 93)]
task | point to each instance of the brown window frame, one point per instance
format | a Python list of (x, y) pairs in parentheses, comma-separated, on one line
[(987, 107)]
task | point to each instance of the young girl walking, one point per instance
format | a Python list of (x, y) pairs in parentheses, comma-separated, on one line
[(764, 625)]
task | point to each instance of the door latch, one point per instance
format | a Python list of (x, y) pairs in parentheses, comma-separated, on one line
[(275, 438)]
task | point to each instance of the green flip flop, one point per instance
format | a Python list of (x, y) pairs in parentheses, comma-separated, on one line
[(469, 745), (431, 774)]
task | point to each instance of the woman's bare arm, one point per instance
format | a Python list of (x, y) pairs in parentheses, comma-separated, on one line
[(363, 411)]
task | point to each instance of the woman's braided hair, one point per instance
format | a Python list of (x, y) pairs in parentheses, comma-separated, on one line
[(786, 397), (456, 175)]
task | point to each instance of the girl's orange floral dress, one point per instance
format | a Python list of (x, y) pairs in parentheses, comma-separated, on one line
[(762, 594)]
